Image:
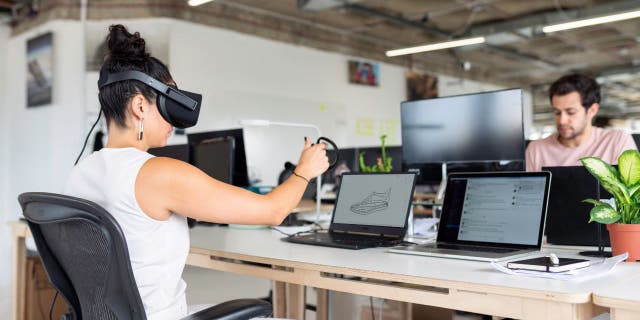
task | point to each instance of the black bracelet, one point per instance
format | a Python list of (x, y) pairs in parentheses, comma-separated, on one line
[(301, 177)]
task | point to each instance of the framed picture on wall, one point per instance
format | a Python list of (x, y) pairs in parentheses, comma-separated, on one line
[(421, 86), (362, 72), (40, 70)]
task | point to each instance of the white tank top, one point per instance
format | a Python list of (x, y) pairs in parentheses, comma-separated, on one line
[(158, 249)]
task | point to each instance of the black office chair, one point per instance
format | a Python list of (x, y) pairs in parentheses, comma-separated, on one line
[(86, 258)]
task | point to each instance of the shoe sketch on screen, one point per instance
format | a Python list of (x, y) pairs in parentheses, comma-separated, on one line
[(374, 202)]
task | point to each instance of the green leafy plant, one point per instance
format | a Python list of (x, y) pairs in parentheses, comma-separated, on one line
[(623, 184), (382, 164)]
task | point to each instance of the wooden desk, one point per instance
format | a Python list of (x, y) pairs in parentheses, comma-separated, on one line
[(308, 205), (623, 299), (454, 284), (448, 283)]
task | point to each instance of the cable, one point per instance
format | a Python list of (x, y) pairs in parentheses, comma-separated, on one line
[(52, 304), (87, 138), (319, 228), (373, 315)]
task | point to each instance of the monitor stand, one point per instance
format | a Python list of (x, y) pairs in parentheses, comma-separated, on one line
[(443, 184), (600, 252)]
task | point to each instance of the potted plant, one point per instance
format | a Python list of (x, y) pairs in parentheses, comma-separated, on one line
[(382, 164), (623, 218)]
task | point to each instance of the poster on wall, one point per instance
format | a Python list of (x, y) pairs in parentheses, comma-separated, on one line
[(40, 70), (362, 72), (421, 86)]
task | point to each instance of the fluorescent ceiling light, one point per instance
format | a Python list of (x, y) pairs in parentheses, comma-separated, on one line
[(591, 21), (435, 46), (194, 3)]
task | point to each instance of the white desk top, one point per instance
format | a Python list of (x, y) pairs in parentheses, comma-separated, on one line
[(621, 295), (264, 243)]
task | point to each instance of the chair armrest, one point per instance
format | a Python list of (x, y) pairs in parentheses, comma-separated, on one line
[(239, 309)]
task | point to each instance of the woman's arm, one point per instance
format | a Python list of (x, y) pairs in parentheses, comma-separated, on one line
[(165, 185)]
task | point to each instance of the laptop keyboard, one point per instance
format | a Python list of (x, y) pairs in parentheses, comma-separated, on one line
[(473, 248)]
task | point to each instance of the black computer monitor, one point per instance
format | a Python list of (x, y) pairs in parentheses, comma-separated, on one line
[(240, 176), (347, 158), (636, 139), (215, 157), (175, 151), (567, 216), (475, 128)]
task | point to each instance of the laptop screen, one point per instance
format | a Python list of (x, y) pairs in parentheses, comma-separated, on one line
[(373, 200), (495, 208)]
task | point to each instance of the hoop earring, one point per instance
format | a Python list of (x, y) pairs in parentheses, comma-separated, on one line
[(141, 131)]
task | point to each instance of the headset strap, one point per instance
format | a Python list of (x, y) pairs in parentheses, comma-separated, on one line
[(170, 92)]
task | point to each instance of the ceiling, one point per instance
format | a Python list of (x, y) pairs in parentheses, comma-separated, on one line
[(517, 53)]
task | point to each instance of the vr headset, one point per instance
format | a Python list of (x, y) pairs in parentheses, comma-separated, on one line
[(178, 107)]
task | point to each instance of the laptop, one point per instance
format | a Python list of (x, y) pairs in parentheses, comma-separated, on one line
[(568, 217), (489, 216), (371, 210)]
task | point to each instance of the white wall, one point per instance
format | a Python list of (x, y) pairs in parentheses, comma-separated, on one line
[(5, 231), (43, 140), (244, 77)]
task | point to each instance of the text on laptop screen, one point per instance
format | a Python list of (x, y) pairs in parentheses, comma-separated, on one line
[(376, 199), (494, 209)]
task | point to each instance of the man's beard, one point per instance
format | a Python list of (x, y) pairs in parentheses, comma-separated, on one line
[(572, 134)]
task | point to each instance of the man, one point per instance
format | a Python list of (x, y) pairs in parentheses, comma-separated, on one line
[(575, 99)]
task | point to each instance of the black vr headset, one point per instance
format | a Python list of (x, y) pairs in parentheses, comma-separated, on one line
[(178, 107)]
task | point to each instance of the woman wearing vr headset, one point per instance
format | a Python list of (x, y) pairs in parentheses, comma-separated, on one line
[(151, 197)]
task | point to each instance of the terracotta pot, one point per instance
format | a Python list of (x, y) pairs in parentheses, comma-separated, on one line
[(625, 238)]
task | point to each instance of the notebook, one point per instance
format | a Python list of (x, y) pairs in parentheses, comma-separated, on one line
[(371, 210), (489, 216), (568, 217)]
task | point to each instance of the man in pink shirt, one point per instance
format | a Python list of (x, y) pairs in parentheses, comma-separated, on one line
[(575, 99)]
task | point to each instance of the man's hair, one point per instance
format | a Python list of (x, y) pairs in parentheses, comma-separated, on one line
[(584, 85)]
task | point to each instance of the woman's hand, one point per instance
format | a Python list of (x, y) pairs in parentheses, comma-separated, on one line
[(313, 160)]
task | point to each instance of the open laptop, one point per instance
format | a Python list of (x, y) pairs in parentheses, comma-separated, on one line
[(568, 217), (371, 210), (489, 216)]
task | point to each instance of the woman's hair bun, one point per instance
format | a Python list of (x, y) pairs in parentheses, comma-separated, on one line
[(125, 46)]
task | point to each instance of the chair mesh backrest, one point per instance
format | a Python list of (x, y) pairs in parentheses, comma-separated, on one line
[(83, 251), (85, 255)]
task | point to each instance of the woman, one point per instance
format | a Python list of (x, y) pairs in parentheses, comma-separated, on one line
[(151, 197)]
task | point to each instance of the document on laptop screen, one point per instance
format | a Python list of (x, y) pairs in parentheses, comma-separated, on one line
[(376, 199), (502, 209)]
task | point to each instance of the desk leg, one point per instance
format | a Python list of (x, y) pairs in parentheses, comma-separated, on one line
[(19, 262), (322, 304), (408, 310), (288, 300), (295, 301), (279, 299)]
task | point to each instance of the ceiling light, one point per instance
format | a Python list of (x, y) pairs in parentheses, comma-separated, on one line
[(194, 3), (435, 46), (591, 21)]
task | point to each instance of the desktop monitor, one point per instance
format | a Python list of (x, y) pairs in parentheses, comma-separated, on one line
[(472, 128), (215, 157), (347, 159), (636, 139), (240, 176), (567, 216), (176, 151)]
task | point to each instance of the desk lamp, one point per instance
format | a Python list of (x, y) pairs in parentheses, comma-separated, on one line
[(267, 123)]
